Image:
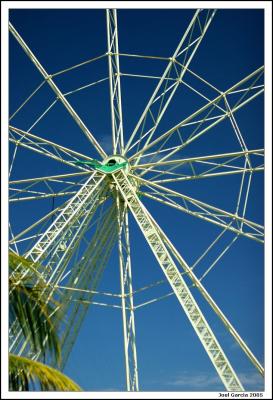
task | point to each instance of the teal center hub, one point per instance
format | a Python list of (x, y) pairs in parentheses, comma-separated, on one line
[(109, 165)]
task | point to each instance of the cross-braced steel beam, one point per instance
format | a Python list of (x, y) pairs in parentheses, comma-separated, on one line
[(127, 303), (114, 81), (179, 286)]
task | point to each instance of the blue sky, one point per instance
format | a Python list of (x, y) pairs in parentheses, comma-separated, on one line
[(170, 356)]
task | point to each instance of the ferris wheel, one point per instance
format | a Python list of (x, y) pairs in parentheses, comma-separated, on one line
[(99, 197)]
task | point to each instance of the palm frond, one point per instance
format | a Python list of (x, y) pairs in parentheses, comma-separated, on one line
[(31, 306), (25, 375)]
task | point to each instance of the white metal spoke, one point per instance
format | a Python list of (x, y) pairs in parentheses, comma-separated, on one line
[(195, 135), (114, 81), (33, 142), (57, 91), (205, 175), (42, 196), (60, 188), (208, 174), (211, 212), (179, 286), (127, 298), (258, 152), (212, 103), (197, 283), (208, 216), (204, 166), (55, 245), (187, 37), (69, 213), (48, 178)]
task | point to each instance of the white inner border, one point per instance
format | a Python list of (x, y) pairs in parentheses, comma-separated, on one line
[(5, 6)]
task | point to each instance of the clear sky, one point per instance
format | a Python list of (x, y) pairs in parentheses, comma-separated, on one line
[(170, 357)]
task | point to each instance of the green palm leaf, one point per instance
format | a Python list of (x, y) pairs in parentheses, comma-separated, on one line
[(31, 307), (25, 374)]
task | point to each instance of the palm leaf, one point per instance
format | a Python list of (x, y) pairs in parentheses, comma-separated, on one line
[(31, 307), (25, 374)]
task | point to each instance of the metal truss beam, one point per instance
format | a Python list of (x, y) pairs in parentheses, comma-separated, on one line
[(114, 81), (197, 283), (179, 286), (128, 318), (55, 246), (79, 203)]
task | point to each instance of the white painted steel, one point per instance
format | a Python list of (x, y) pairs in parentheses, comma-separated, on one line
[(114, 81), (127, 303), (179, 286), (166, 73), (57, 91), (55, 247), (56, 243)]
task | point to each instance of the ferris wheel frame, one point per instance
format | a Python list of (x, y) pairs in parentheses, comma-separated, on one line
[(123, 179)]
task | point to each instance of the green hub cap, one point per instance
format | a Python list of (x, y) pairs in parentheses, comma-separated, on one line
[(109, 165), (114, 163)]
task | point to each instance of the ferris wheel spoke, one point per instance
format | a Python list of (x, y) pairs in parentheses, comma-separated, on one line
[(203, 213), (208, 175), (243, 101), (127, 302), (55, 247), (179, 286), (60, 188), (85, 276), (42, 196), (114, 81), (197, 283), (52, 214), (72, 239), (204, 166), (57, 91), (197, 27), (89, 193), (34, 142), (202, 210), (48, 178)]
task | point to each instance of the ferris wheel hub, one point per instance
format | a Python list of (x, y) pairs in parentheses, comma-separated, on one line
[(114, 163)]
